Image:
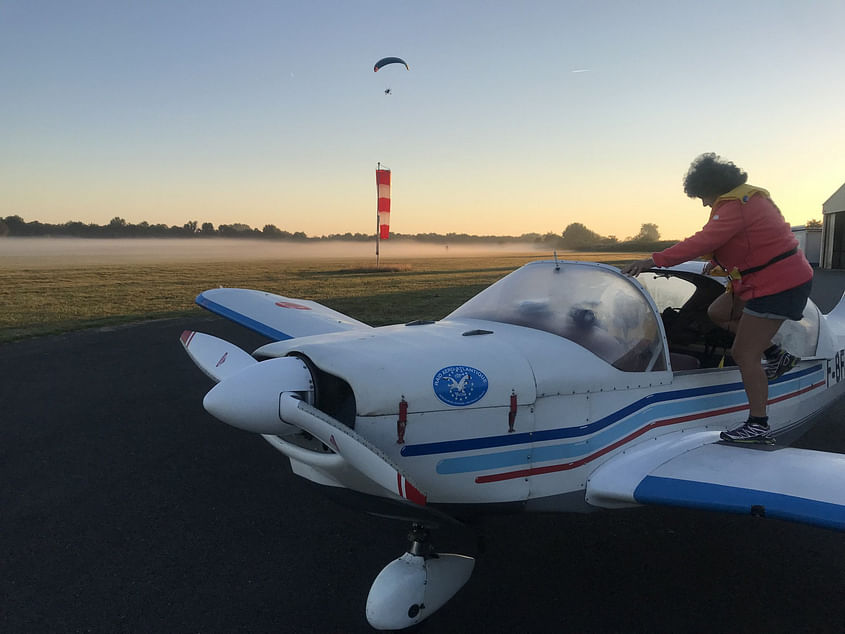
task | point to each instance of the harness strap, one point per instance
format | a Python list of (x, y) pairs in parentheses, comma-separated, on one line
[(777, 258)]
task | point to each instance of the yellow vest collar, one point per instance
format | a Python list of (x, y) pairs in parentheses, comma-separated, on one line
[(741, 193)]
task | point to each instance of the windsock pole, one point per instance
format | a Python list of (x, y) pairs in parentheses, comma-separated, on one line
[(378, 229)]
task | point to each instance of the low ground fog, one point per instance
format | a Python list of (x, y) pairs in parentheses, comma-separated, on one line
[(28, 252)]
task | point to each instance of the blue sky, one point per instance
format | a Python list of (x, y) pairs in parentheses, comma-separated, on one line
[(269, 112)]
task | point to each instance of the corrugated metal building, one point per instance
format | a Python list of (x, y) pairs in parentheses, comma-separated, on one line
[(810, 242), (833, 231)]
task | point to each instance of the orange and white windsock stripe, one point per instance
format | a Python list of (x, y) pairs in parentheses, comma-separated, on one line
[(383, 183)]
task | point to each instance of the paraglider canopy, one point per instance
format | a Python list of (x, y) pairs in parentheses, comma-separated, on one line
[(390, 60)]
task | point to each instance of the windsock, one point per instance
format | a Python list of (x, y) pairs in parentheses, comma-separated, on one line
[(383, 184)]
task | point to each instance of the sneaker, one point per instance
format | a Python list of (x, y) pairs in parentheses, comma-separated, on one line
[(748, 432), (781, 364)]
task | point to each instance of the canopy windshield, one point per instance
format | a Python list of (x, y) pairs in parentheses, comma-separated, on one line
[(592, 305)]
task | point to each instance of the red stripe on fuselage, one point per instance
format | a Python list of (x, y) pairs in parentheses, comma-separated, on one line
[(524, 473), (801, 391)]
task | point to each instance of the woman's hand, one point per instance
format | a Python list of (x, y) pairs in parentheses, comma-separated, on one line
[(635, 268)]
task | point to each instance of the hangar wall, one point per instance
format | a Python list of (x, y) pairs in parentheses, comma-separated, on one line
[(833, 231)]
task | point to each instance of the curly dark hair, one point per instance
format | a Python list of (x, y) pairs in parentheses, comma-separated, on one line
[(709, 176)]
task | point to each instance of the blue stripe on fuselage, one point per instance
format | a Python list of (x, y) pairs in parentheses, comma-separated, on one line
[(470, 444), (605, 437), (702, 407)]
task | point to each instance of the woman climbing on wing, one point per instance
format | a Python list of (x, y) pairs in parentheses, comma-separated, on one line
[(771, 279)]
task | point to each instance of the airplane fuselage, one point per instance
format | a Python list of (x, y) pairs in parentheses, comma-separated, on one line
[(550, 413)]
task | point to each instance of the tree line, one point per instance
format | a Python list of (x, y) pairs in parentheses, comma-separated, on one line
[(575, 237)]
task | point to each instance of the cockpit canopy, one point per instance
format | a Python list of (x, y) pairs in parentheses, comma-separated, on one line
[(590, 304), (619, 320)]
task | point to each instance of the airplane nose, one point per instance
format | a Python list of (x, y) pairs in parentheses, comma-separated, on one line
[(250, 399)]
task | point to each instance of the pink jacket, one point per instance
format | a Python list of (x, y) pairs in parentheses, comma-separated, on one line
[(744, 232)]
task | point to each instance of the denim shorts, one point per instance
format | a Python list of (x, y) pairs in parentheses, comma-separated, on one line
[(788, 304)]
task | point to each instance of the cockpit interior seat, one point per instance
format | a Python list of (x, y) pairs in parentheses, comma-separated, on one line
[(683, 361)]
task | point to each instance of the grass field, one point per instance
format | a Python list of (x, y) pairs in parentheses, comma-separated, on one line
[(38, 298)]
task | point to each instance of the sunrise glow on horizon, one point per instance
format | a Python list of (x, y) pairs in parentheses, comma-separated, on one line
[(512, 119)]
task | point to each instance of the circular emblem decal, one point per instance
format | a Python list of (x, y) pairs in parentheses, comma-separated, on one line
[(460, 385)]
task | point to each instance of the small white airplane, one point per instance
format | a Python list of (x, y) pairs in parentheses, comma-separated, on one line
[(565, 386)]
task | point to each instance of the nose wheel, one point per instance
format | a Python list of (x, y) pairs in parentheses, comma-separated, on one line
[(415, 585)]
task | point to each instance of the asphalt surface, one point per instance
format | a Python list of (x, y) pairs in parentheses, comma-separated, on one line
[(124, 507)]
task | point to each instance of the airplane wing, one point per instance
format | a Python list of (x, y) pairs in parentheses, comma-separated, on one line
[(275, 316), (695, 470)]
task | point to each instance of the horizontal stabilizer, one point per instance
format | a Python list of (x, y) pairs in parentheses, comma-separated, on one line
[(792, 484), (217, 358), (275, 316), (358, 452)]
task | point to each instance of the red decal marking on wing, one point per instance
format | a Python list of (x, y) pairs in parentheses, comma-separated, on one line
[(292, 305)]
